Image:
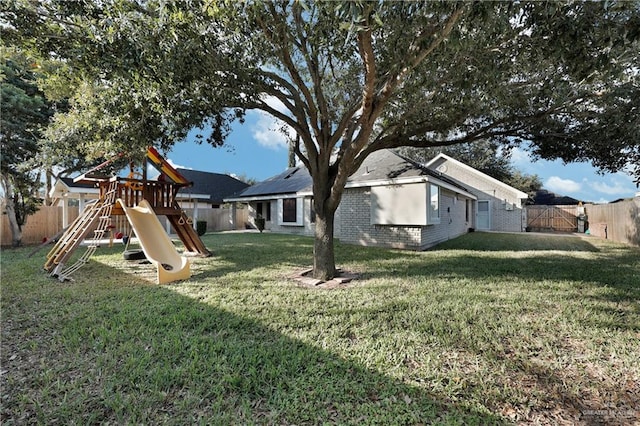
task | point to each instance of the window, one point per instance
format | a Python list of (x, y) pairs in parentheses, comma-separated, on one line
[(289, 212), (434, 204), (259, 210), (268, 208)]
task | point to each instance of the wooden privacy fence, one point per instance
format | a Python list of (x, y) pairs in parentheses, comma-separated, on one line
[(552, 218), (47, 222), (617, 221), (221, 219)]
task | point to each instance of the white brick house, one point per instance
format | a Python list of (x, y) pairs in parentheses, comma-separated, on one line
[(499, 207), (390, 201)]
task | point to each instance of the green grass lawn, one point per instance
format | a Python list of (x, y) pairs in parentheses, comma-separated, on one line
[(484, 329)]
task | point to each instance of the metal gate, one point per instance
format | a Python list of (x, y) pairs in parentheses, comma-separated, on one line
[(552, 218)]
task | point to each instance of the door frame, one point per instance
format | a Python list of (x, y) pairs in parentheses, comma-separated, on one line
[(488, 215)]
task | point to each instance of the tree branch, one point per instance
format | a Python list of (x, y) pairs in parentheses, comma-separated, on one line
[(298, 81), (311, 59)]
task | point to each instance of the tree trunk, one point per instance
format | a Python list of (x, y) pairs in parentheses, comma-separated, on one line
[(16, 229), (324, 263), (326, 199), (49, 185)]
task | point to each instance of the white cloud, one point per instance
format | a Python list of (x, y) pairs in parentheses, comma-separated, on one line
[(178, 166), (615, 189), (153, 173), (562, 186), (520, 157), (267, 130), (275, 103), (271, 132)]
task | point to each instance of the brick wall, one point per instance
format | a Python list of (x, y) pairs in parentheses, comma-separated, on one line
[(453, 220), (486, 189), (356, 228)]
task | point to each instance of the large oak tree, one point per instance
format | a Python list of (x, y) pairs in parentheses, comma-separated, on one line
[(353, 77)]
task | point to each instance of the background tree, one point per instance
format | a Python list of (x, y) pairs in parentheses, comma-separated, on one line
[(24, 113), (134, 75), (354, 77)]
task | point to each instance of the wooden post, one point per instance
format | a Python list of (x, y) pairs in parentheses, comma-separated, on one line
[(145, 186)]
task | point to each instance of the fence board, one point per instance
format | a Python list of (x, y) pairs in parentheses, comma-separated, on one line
[(47, 222), (220, 219), (552, 218), (618, 221)]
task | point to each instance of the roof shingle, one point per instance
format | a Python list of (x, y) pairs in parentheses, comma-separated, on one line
[(219, 186)]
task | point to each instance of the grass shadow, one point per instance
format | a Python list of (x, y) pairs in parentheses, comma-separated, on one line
[(242, 252), (121, 350)]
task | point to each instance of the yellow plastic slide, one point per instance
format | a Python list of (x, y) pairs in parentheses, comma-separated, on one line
[(156, 244)]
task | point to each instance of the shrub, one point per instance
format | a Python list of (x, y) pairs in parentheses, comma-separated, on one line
[(201, 227)]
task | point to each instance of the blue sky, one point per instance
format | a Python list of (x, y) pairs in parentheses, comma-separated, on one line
[(257, 150)]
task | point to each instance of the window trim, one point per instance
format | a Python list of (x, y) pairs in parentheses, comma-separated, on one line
[(299, 206)]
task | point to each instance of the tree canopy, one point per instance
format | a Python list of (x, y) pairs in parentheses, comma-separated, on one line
[(350, 78)]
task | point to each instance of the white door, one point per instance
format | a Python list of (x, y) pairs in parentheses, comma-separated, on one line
[(483, 216)]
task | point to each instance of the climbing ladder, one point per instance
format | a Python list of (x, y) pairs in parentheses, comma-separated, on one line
[(97, 213)]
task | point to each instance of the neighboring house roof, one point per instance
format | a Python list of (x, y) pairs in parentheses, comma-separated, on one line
[(382, 167), (212, 187), (66, 186), (291, 181), (218, 186), (438, 159), (548, 198), (76, 185)]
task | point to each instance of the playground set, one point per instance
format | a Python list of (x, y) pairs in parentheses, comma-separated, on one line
[(141, 201)]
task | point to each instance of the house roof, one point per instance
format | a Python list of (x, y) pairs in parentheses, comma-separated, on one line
[(386, 165), (71, 184), (291, 181), (67, 187), (218, 186), (382, 167), (438, 159)]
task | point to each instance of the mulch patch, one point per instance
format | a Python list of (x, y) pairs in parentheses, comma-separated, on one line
[(342, 278)]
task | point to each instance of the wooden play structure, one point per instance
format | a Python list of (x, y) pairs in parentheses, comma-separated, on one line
[(141, 201)]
